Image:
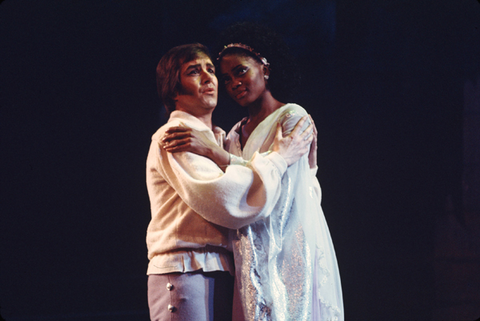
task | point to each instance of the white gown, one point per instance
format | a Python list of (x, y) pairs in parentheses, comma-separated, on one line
[(286, 268)]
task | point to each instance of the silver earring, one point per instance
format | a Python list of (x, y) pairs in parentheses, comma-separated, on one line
[(266, 76)]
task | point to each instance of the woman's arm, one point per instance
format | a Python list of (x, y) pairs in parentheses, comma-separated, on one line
[(312, 155)]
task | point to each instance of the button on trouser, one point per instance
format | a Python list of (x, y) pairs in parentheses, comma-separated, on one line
[(190, 296)]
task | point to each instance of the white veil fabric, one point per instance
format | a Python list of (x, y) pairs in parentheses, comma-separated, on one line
[(286, 268)]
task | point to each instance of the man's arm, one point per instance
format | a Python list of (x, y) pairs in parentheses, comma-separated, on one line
[(239, 196), (183, 138), (290, 143)]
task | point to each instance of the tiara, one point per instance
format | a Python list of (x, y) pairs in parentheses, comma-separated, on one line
[(248, 48)]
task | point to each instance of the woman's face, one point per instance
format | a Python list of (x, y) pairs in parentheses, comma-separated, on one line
[(243, 77)]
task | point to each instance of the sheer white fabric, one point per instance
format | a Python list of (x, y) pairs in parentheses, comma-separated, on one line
[(286, 268)]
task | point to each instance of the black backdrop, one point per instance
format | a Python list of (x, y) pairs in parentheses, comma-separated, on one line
[(383, 80)]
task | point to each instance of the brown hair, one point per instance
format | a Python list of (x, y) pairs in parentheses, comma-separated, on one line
[(168, 71)]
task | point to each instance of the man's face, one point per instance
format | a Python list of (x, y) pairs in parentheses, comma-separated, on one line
[(199, 87)]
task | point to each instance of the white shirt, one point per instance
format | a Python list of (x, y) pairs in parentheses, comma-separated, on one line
[(194, 203)]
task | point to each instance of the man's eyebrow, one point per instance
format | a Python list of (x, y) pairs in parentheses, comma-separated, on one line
[(193, 66)]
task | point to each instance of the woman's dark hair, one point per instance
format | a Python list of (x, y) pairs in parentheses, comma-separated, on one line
[(263, 40), (168, 71)]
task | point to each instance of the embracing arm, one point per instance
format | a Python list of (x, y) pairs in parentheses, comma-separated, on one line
[(238, 197), (291, 146), (312, 155), (241, 195), (183, 138)]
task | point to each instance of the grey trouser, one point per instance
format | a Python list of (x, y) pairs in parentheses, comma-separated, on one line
[(196, 296)]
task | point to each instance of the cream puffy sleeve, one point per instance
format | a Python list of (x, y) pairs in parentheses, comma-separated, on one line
[(237, 197)]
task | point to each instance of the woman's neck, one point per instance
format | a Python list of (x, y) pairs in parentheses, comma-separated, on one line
[(257, 112), (263, 107)]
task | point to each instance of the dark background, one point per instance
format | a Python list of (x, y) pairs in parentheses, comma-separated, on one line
[(383, 80)]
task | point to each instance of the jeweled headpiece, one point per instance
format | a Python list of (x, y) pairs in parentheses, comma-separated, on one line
[(248, 48)]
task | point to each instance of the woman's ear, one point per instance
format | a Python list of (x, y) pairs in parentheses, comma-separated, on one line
[(266, 72)]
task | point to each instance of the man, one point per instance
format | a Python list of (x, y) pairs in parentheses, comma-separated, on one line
[(194, 202)]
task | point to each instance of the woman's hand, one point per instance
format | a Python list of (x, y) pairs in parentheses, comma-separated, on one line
[(185, 139), (296, 144)]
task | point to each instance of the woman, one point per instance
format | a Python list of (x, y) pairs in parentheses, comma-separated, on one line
[(286, 267)]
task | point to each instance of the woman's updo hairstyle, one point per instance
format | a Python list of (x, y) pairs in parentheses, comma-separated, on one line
[(266, 43)]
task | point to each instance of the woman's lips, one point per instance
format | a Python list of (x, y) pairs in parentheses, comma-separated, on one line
[(241, 94)]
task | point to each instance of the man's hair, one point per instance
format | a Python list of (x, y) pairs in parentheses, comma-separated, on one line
[(168, 71)]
